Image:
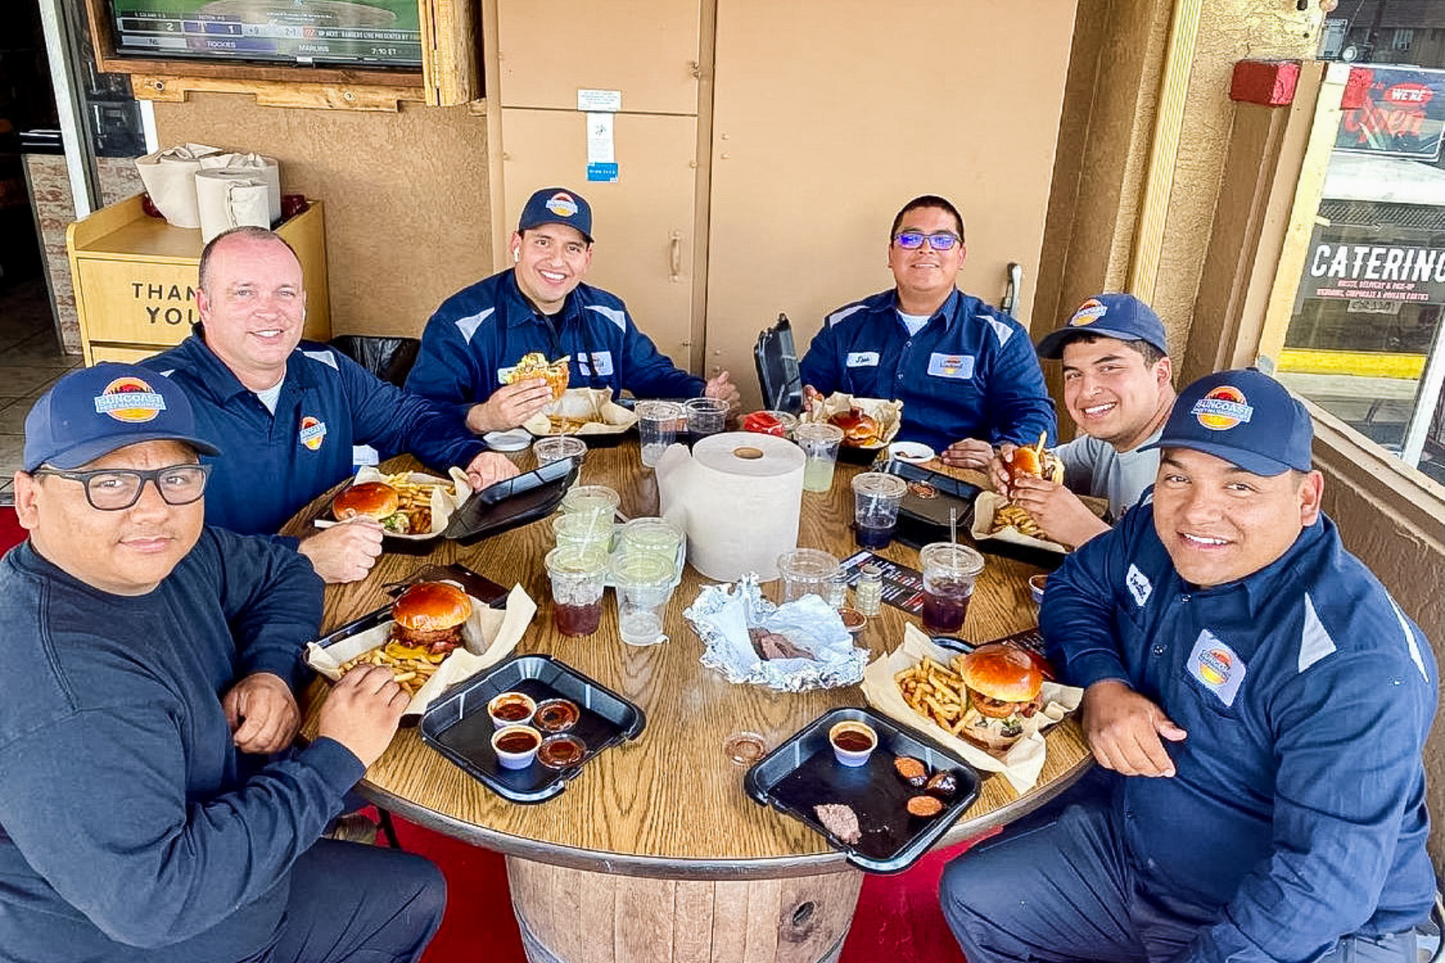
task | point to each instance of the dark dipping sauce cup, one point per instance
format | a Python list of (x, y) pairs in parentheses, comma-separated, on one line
[(511, 708), (559, 752), (853, 742), (516, 746), (556, 715)]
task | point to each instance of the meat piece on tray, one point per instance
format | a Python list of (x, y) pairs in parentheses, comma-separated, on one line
[(840, 820)]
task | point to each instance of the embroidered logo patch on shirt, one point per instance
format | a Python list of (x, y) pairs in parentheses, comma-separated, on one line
[(862, 359), (1217, 667), (601, 364), (313, 432), (950, 365), (1138, 584)]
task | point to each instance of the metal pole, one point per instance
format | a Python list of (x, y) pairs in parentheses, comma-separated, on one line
[(65, 76), (1431, 380)]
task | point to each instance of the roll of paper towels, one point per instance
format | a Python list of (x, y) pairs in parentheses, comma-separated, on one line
[(169, 178), (737, 496), (228, 198)]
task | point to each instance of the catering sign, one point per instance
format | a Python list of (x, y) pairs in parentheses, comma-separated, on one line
[(1377, 273), (1394, 111)]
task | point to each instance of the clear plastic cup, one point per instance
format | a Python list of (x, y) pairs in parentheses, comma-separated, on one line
[(584, 531), (950, 572), (876, 497), (652, 536), (657, 423), (705, 416), (820, 443), (578, 577), (644, 587), (806, 571), (591, 500), (557, 447)]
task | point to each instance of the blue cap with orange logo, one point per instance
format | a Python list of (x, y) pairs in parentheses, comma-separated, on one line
[(1120, 316), (94, 411), (1245, 417), (557, 205)]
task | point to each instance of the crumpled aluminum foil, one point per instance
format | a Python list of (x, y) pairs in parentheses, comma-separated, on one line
[(722, 614)]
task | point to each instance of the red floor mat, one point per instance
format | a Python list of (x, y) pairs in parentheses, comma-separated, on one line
[(11, 534), (898, 917)]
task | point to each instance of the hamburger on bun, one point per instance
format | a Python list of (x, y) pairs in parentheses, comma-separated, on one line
[(859, 430), (534, 364), (381, 502), (1003, 684), (1036, 461), (429, 617)]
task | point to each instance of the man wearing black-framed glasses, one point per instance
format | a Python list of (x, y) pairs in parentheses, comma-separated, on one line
[(966, 373), (150, 663)]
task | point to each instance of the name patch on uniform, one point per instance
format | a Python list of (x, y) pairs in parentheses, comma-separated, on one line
[(601, 364), (862, 359), (313, 432), (950, 365), (1216, 667), (1138, 584)]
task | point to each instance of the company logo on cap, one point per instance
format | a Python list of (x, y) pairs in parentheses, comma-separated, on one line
[(1089, 312), (1223, 408), (561, 204), (131, 400), (313, 431)]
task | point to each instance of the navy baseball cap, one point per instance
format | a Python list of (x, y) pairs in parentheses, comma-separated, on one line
[(1120, 316), (557, 205), (1245, 417), (94, 411)]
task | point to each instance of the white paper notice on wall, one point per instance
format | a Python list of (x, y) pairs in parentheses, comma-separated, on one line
[(609, 100), (599, 139)]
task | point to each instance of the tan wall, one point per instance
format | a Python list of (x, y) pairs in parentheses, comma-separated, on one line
[(407, 219)]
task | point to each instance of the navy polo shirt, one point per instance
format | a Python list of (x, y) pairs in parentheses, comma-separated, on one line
[(481, 332), (970, 372), (272, 465), (1298, 810)]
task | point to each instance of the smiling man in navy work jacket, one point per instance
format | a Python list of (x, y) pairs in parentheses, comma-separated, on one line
[(965, 372), (1262, 704), (480, 333), (287, 413)]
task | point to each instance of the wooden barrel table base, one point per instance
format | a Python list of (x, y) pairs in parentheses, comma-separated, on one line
[(576, 916)]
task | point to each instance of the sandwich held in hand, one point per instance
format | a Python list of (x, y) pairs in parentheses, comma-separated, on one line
[(534, 364), (427, 627), (1035, 462)]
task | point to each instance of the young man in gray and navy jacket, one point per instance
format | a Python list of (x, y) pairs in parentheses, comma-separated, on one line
[(1261, 703)]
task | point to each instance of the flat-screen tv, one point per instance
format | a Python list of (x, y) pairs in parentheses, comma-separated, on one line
[(368, 33)]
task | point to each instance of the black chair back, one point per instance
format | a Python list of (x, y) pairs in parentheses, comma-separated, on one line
[(390, 359), (777, 361)]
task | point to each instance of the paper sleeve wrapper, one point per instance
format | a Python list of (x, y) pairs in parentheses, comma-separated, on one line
[(1023, 761), (737, 496), (594, 408), (170, 179), (444, 500), (488, 636)]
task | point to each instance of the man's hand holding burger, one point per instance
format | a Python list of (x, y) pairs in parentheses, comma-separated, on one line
[(1058, 511), (488, 468), (1123, 729), (345, 552), (509, 406)]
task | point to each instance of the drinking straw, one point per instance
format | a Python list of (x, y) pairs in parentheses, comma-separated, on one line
[(953, 524)]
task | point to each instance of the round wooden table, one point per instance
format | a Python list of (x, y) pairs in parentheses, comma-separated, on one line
[(655, 851)]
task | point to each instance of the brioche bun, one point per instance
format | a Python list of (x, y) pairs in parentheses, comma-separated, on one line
[(1002, 672), (370, 499), (859, 430), (534, 364), (430, 615)]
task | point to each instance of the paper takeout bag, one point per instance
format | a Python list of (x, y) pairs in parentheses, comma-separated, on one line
[(1023, 761), (888, 414), (489, 636), (169, 177), (593, 407), (443, 502)]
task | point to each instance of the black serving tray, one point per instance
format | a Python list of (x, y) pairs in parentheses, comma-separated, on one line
[(457, 725), (923, 520), (802, 773), (513, 502)]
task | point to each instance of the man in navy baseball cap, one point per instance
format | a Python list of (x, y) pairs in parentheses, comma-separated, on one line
[(1245, 417), (557, 205), (1119, 389), (94, 411)]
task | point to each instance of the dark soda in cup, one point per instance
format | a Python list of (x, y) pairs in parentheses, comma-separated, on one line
[(578, 619), (945, 604)]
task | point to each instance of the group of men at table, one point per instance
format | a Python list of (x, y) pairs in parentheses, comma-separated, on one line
[(1257, 702)]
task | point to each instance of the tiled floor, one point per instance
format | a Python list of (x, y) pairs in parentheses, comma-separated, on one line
[(30, 361)]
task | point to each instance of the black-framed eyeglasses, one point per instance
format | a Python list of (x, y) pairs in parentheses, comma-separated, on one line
[(913, 240), (116, 489)]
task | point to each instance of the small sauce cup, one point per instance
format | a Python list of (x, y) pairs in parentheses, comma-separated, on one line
[(516, 746), (1036, 588), (853, 742), (556, 715), (511, 709), (561, 751)]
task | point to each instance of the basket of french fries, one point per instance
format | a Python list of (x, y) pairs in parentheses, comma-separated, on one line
[(995, 517), (582, 411), (918, 684), (488, 635), (416, 506)]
